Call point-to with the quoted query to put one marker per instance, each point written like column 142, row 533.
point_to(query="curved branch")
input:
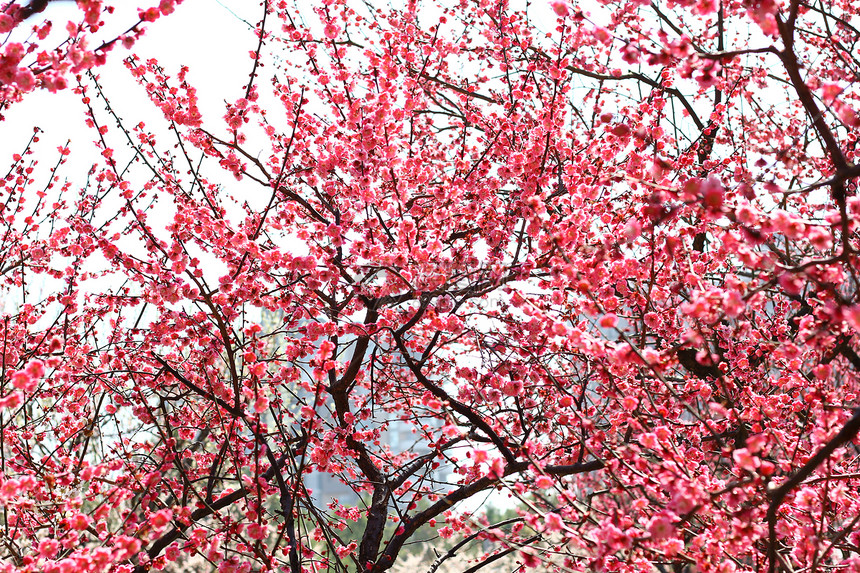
column 777, row 496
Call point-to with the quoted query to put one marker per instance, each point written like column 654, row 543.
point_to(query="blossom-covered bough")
column 26, row 64
column 600, row 259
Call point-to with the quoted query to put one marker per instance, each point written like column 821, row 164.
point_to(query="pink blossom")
column 80, row 521
column 444, row 304
column 560, row 7
column 497, row 468
column 662, row 525
column 602, row 35
column 48, row 548
column 649, row 440
column 25, row 79
column 149, row 15
column 530, row 560
column 712, row 194
column 7, row 23
column 745, row 460
column 23, row 381
column 261, row 404
column 161, row 517
column 553, row 522
column 257, row 531
column 331, row 31
column 673, row 546
column 544, row 482
column 11, row 400
column 35, row 368
column 705, row 7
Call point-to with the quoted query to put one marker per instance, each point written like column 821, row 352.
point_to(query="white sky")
column 205, row 35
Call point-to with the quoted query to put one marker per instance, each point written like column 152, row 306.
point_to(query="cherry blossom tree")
column 603, row 263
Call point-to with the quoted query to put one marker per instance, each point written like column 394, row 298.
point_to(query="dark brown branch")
column 183, row 380
column 473, row 417
column 411, row 524
column 777, row 496
column 262, row 34
column 162, row 542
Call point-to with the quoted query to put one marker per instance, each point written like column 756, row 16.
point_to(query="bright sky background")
column 207, row 35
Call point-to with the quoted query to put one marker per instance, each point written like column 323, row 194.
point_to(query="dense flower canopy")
column 600, row 261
